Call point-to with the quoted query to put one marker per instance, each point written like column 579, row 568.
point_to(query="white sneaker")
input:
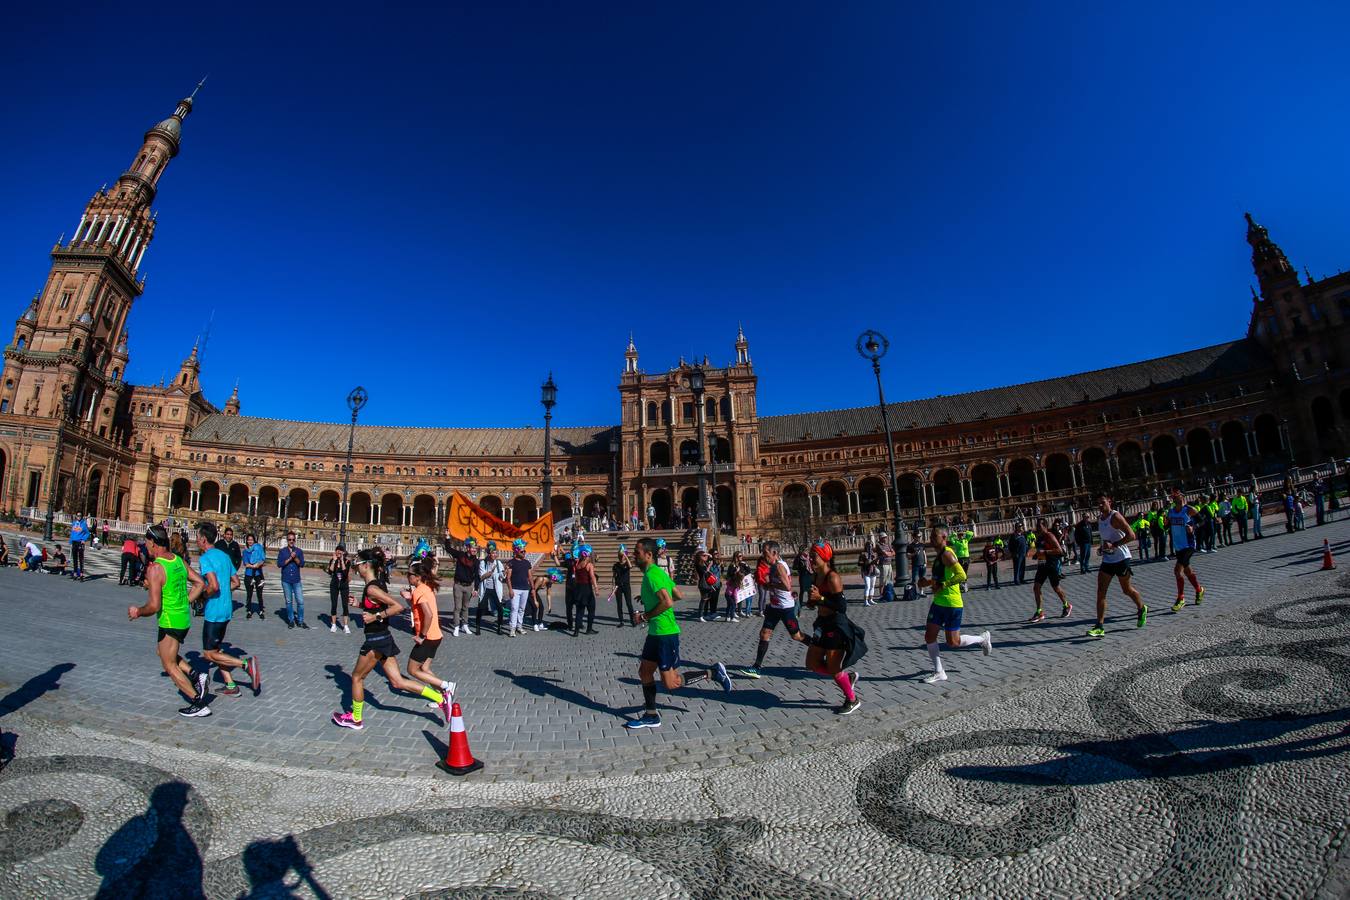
column 332, row 627
column 935, row 678
column 988, row 643
column 346, row 629
column 539, row 627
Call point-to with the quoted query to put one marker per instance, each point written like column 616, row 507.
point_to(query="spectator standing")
column 887, row 550
column 1082, row 539
column 1017, row 549
column 254, row 557
column 339, row 589
column 230, row 547
column 869, row 566
column 290, row 560
column 128, row 573
column 79, row 535
column 918, row 565
column 990, row 556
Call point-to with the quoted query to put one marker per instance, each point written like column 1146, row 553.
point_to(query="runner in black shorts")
column 1116, row 535
column 781, row 606
column 1179, row 518
column 379, row 649
column 421, row 595
column 1050, row 553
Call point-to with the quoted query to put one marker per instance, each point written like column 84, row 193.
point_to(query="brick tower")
column 64, row 371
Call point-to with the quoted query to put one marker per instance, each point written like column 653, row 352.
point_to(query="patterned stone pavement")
column 1201, row 756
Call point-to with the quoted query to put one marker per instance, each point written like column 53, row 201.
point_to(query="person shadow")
column 169, row 869
column 343, row 680
column 34, row 688
column 551, row 687
column 268, row 862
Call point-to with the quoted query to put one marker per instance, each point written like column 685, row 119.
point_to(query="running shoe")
column 346, row 629
column 1039, row 617
column 444, row 707
column 201, row 686
column 644, row 721
column 230, row 690
column 345, row 720
column 1199, row 596
column 255, row 674
column 1096, row 631
column 849, row 707
column 987, row 643
column 721, row 677
column 935, row 678
column 332, row 628
column 304, row 625
column 1181, row 602
column 1064, row 613
column 749, row 672
column 195, row 711
column 1143, row 616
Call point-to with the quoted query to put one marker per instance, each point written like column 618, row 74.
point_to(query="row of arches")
column 389, row 509
column 719, row 448
column 712, row 410
column 663, row 504
column 1164, row 454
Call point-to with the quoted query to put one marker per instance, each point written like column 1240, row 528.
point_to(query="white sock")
column 937, row 659
column 970, row 640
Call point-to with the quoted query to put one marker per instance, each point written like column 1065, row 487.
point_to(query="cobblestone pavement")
column 1201, row 756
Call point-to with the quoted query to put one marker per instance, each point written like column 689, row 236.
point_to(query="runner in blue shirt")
column 1180, row 521
column 217, row 570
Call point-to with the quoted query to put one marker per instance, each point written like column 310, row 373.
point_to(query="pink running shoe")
column 345, row 720
column 255, row 674
column 445, row 708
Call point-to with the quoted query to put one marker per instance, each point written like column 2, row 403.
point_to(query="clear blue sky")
column 445, row 205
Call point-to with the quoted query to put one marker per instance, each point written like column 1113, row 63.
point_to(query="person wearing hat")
column 623, row 584
column 583, row 577
column 491, row 587
column 518, row 578
column 465, row 585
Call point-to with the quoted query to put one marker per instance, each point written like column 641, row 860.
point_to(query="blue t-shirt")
column 254, row 557
column 79, row 532
column 220, row 607
column 1179, row 520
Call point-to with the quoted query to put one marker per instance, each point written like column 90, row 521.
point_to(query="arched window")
column 725, row 405
column 651, row 413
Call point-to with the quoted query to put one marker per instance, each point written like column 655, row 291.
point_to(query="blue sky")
column 445, row 204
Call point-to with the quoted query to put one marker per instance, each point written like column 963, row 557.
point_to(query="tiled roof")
column 266, row 434
column 1165, row 373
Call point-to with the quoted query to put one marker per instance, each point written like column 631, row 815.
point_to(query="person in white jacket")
column 491, row 587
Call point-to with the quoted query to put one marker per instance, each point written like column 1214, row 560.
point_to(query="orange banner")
column 468, row 519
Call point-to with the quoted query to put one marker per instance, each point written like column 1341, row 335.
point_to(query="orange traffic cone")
column 458, row 759
column 1327, row 561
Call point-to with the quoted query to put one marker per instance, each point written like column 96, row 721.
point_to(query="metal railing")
column 688, row 469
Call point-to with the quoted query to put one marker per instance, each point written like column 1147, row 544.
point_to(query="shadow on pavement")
column 34, row 688
column 1204, row 749
column 552, row 687
column 343, row 680
column 172, row 867
column 267, row 864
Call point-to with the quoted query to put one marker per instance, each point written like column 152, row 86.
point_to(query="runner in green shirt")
column 173, row 588
column 661, row 650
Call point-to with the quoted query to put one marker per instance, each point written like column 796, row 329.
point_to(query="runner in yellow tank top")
column 948, row 606
column 173, row 588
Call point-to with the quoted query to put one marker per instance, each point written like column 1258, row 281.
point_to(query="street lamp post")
column 549, row 398
column 57, row 452
column 355, row 400
column 697, row 383
column 872, row 345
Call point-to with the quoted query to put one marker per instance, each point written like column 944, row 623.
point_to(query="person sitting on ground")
column 57, row 563
column 32, row 556
column 4, row 553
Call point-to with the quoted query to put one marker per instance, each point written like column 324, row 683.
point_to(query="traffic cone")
column 458, row 759
column 1327, row 561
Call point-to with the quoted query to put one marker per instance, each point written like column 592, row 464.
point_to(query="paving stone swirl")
column 1326, row 611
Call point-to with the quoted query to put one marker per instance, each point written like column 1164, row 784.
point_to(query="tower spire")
column 630, row 357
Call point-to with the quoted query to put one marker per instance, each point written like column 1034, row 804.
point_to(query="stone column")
column 374, row 513
column 1150, row 465
column 194, row 500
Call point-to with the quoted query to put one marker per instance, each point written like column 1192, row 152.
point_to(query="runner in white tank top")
column 1116, row 534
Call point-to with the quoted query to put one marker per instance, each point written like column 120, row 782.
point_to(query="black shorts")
column 1049, row 571
column 1113, row 569
column 382, row 644
column 423, row 651
column 178, row 634
column 773, row 615
column 662, row 649
column 1184, row 556
column 213, row 634
column 965, row 562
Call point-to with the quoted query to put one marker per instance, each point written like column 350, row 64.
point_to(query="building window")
column 688, row 409
column 65, row 299
column 4, row 406
column 1316, row 314
column 754, row 502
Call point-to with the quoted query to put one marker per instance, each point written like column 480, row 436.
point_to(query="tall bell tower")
column 67, row 360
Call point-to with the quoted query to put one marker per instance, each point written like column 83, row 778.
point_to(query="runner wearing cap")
column 661, row 650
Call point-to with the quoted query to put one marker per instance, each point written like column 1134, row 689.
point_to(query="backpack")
column 887, row 593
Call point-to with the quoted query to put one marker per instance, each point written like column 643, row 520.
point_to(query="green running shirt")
column 173, row 608
column 654, row 580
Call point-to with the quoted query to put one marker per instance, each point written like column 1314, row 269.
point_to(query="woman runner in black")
column 836, row 643
column 379, row 648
